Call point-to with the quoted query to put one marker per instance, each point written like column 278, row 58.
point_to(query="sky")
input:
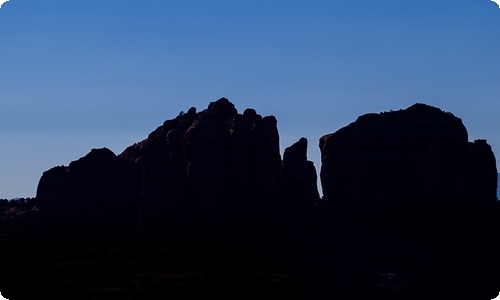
column 77, row 75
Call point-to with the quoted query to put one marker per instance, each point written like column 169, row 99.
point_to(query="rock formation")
column 98, row 177
column 97, row 190
column 300, row 174
column 409, row 189
column 407, row 155
column 405, row 193
column 212, row 162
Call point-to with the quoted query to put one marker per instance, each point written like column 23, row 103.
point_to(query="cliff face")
column 220, row 160
column 98, row 178
column 97, row 191
column 405, row 156
column 300, row 174
column 216, row 161
column 211, row 161
column 408, row 188
column 405, row 193
column 204, row 161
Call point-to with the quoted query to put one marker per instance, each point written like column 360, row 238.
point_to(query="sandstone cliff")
column 408, row 189
column 406, row 196
column 213, row 162
column 408, row 155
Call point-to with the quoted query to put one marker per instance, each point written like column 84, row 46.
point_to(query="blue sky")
column 76, row 75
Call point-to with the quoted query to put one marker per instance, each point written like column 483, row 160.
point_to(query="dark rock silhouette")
column 482, row 172
column 205, row 202
column 98, row 180
column 416, row 153
column 204, row 161
column 265, row 160
column 99, row 174
column 199, row 159
column 300, row 174
column 409, row 189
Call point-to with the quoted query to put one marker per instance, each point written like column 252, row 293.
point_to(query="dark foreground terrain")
column 207, row 206
column 243, row 263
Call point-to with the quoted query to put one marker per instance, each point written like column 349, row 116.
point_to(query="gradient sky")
column 77, row 75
